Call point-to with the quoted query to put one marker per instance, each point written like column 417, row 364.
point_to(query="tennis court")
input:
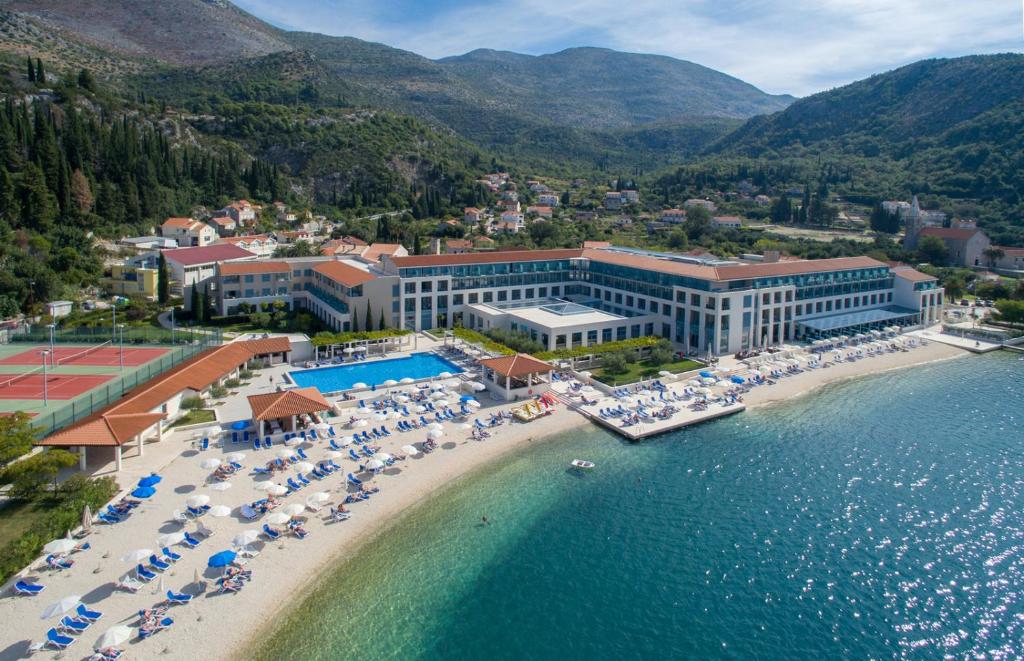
column 101, row 355
column 58, row 386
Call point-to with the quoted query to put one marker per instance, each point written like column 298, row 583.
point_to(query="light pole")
column 120, row 329
column 52, row 327
column 172, row 324
column 113, row 320
column 46, row 393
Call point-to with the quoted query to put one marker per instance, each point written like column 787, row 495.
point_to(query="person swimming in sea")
column 485, row 520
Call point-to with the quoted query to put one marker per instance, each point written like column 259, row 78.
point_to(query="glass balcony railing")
column 328, row 299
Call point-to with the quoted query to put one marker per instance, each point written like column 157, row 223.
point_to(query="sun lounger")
column 144, row 574
column 293, row 485
column 180, row 599
column 195, row 511
column 28, row 589
column 163, row 624
column 157, row 563
column 267, row 443
column 352, row 479
column 334, row 465
column 302, row 478
column 55, row 640
column 317, row 474
column 334, row 445
column 301, row 453
column 270, row 532
column 72, row 625
column 84, row 613
column 170, row 555
column 190, row 541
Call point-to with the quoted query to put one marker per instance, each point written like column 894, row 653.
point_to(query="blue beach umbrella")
column 736, row 379
column 143, row 492
column 707, row 374
column 222, row 559
column 466, row 398
column 241, row 424
column 150, row 481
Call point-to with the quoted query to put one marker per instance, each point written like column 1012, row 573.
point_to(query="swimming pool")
column 374, row 373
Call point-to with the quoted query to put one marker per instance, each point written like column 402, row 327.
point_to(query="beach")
column 225, row 626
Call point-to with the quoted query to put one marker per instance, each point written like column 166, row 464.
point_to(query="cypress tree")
column 382, row 325
column 31, row 70
column 194, row 304
column 355, row 321
column 369, row 316
column 163, row 283
column 40, row 75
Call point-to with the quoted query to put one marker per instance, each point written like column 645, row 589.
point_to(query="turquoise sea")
column 878, row 518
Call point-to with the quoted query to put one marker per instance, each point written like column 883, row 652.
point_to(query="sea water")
column 878, row 518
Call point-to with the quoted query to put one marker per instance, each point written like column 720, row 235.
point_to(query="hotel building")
column 580, row 297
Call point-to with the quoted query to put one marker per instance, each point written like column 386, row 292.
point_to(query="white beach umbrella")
column 138, row 555
column 62, row 607
column 435, row 425
column 359, row 386
column 473, row 404
column 420, row 409
column 345, row 440
column 198, row 500
column 294, row 509
column 334, row 454
column 236, row 457
column 318, row 498
column 219, row 511
column 361, row 423
column 277, row 490
column 384, row 456
column 278, row 518
column 437, row 394
column 285, row 453
column 293, row 441
column 118, row 634
column 209, row 463
column 221, row 486
column 245, row 537
column 435, row 433
column 410, row 449
column 406, row 380
column 170, row 539
column 62, row 545
column 445, row 375
column 347, row 350
column 390, row 383
column 477, row 386
column 263, row 486
column 304, row 467
column 402, row 399
column 380, row 417
column 443, row 403
column 374, row 464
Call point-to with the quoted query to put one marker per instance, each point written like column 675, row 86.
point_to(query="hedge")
column 326, row 338
column 597, row 349
column 484, row 341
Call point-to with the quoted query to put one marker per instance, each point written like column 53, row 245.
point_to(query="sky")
column 781, row 46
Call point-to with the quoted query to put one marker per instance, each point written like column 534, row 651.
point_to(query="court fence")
column 131, row 335
column 58, row 417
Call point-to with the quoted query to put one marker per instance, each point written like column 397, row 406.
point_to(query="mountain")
column 951, row 130
column 602, row 88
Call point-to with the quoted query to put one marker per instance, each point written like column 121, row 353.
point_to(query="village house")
column 541, row 211
column 695, row 202
column 674, row 216
column 242, row 212
column 472, row 215
column 762, row 200
column 261, row 245
column 188, row 232
column 514, row 217
column 224, row 225
column 548, row 199
column 290, row 237
column 458, row 246
column 613, row 200
column 732, row 222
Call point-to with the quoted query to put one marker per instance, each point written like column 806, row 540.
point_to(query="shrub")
column 245, row 374
column 468, row 335
column 615, row 362
column 598, row 349
column 218, row 391
column 192, row 403
column 232, row 383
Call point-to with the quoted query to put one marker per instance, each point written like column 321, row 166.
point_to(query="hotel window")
column 542, row 292
column 410, row 305
column 725, row 304
column 641, row 304
column 555, row 291
column 248, row 279
column 618, row 299
column 607, row 295
column 474, row 298
column 248, row 293
column 266, row 277
column 308, row 273
column 394, row 306
column 828, row 306
column 395, row 291
column 789, row 296
column 426, row 287
column 457, row 299
column 620, row 333
column 410, row 288
column 266, row 291
column 874, row 299
column 710, row 303
column 817, row 306
column 577, row 339
column 426, row 303
column 296, row 273
column 649, row 329
column 517, row 294
column 888, row 297
column 680, row 297
column 629, row 301
column 766, row 298
column 606, row 334
column 502, row 295
column 560, row 341
column 695, row 300
column 591, row 337
column 778, row 297
column 488, row 297
column 529, row 293
column 635, row 330
column 666, row 309
column 442, row 285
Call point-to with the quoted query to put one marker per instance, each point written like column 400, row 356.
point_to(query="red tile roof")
column 244, row 268
column 218, row 252
column 344, row 274
column 597, row 245
column 183, row 223
column 375, row 250
column 274, row 405
column 107, row 430
column 518, row 365
column 486, row 258
column 913, row 275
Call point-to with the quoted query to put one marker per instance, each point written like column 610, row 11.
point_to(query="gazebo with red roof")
column 286, row 405
column 515, row 376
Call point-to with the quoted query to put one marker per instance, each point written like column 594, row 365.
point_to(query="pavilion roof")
column 286, row 403
column 517, row 365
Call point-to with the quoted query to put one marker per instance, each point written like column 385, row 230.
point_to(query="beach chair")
column 170, row 555
column 366, row 451
column 84, row 613
column 107, row 518
column 179, row 599
column 28, row 589
column 293, row 459
column 301, row 453
column 333, row 465
column 302, row 478
column 424, row 421
column 144, row 574
column 55, row 640
column 384, row 431
column 245, row 436
column 478, row 424
column 163, row 624
column 330, row 432
column 71, row 625
column 270, row 532
column 267, row 443
column 190, row 541
column 317, row 474
column 352, row 479
column 195, row 511
column 366, row 437
column 293, row 485
column 255, row 444
column 157, row 563
column 334, row 445
column 352, row 454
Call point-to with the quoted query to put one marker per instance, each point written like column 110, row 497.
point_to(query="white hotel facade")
column 580, row 297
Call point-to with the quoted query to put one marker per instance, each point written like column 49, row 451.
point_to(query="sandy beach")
column 225, row 626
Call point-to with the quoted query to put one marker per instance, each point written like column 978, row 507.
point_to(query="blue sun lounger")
column 293, row 485
column 170, row 555
column 178, row 598
column 352, row 455
column 269, row 532
column 191, row 541
column 28, row 589
column 302, row 478
column 57, row 641
column 301, row 453
column 144, row 573
column 335, row 445
column 157, row 563
column 164, row 623
column 72, row 625
column 84, row 613
column 352, row 479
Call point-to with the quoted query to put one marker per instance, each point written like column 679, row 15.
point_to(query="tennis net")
column 6, row 383
column 82, row 354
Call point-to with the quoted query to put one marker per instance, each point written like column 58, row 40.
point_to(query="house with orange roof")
column 472, row 215
column 188, row 232
column 242, row 212
column 224, row 225
column 261, row 245
column 540, row 211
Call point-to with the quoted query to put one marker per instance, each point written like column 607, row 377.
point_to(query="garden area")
column 625, row 366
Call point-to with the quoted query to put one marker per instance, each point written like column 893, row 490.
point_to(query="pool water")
column 343, row 377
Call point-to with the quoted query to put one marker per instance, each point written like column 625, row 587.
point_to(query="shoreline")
column 285, row 572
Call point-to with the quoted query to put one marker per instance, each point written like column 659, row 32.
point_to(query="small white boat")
column 580, row 463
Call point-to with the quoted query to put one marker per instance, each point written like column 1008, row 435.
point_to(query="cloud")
column 795, row 46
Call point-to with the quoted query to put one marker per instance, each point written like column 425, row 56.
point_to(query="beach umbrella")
column 375, row 464
column 240, row 425
column 236, row 457
column 706, row 373
column 137, row 555
column 384, row 456
column 389, row 383
column 345, row 440
column 420, row 409
column 264, row 486
column 221, row 486
column 62, row 607
column 361, row 423
column 294, row 509
column 118, row 634
column 285, row 453
column 435, row 425
column 278, row 518
column 62, row 545
column 402, row 399
column 359, row 386
column 318, row 498
column 293, row 441
column 736, row 379
column 473, row 404
column 334, row 454
column 150, row 480
column 277, row 490
column 170, row 539
column 198, row 500
column 477, row 386
column 443, row 403
column 435, row 433
column 219, row 511
column 86, row 519
column 665, row 373
column 245, row 537
column 222, row 559
column 445, row 375
column 304, row 467
column 143, row 492
column 410, row 449
column 437, row 394
column 406, row 381
column 466, row 398
column 709, row 380
column 348, row 350
column 380, row 417
column 210, row 463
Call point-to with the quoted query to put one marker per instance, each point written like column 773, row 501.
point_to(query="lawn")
column 642, row 370
column 195, row 417
column 16, row 518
